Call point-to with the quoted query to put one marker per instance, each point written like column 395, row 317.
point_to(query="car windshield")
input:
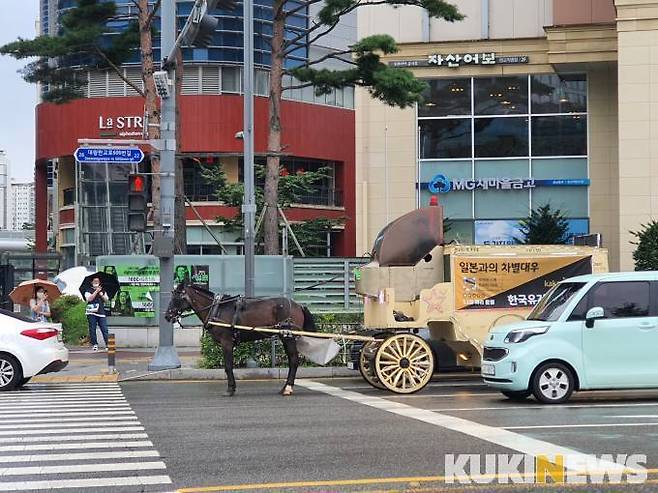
column 555, row 301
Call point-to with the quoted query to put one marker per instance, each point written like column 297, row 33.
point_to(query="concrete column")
column 637, row 28
column 41, row 205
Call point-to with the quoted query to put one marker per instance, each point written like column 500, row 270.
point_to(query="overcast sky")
column 17, row 97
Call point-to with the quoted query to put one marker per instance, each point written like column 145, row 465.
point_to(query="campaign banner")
column 511, row 282
column 199, row 275
column 136, row 283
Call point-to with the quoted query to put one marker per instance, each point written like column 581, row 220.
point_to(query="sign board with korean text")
column 486, row 282
column 109, row 155
column 442, row 184
column 455, row 60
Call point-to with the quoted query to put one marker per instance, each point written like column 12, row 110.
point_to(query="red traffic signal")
column 136, row 183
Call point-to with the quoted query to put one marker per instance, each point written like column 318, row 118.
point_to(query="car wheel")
column 24, row 381
column 519, row 395
column 553, row 383
column 10, row 372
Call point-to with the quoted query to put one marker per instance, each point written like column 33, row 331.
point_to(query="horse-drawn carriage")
column 413, row 282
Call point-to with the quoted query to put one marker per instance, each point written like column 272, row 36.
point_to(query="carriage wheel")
column 366, row 364
column 404, row 363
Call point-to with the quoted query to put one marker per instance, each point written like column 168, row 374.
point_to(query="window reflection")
column 501, row 96
column 559, row 135
column 446, row 97
column 559, row 93
column 501, row 137
column 450, row 138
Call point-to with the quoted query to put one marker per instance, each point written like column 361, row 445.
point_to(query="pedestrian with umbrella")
column 97, row 290
column 37, row 294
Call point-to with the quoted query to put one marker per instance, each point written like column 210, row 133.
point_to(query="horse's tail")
column 309, row 321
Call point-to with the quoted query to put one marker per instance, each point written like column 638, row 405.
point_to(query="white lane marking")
column 127, row 415
column 85, row 390
column 583, row 425
column 72, row 438
column 429, row 387
column 74, row 446
column 77, row 468
column 90, row 429
column 542, row 406
column 125, row 454
column 499, row 436
column 81, row 412
column 84, row 483
column 456, row 395
column 124, row 421
column 64, row 398
column 643, row 416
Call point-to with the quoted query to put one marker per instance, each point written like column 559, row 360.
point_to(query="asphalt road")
column 341, row 435
column 332, row 436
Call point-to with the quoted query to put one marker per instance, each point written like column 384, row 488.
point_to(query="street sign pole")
column 166, row 357
column 249, row 204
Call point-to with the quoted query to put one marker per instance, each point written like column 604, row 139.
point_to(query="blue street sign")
column 109, row 155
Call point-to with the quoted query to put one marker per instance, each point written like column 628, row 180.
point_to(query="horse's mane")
column 201, row 289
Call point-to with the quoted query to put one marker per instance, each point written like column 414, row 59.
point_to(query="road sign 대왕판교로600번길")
column 109, row 155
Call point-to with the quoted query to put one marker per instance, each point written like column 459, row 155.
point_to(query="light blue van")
column 589, row 332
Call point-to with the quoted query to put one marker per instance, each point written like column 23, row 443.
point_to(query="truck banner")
column 137, row 283
column 511, row 282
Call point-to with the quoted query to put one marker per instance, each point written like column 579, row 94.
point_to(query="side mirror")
column 592, row 314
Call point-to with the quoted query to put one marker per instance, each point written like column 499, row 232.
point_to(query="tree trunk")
column 180, row 223
column 151, row 106
column 271, row 221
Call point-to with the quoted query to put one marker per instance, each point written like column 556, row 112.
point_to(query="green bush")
column 70, row 312
column 646, row 253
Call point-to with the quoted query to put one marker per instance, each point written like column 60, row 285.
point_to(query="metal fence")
column 327, row 284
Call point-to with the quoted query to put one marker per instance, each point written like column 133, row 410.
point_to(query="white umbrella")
column 69, row 281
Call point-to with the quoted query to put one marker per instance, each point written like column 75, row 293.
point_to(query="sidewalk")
column 86, row 365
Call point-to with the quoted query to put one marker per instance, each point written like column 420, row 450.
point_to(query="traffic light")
column 137, row 206
column 201, row 25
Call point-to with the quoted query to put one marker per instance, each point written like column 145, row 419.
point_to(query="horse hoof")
column 229, row 393
column 286, row 391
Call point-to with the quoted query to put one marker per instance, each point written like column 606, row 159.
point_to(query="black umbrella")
column 109, row 282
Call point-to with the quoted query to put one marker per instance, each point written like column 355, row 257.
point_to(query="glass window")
column 501, row 137
column 621, row 299
column 445, row 138
column 456, row 205
column 446, row 97
column 572, row 201
column 230, row 79
column 559, row 135
column 550, row 169
column 349, row 96
column 555, row 301
column 461, row 231
column 501, row 204
column 505, row 168
column 559, row 93
column 262, row 83
column 501, row 95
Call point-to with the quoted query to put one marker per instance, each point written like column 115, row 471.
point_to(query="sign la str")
column 120, row 122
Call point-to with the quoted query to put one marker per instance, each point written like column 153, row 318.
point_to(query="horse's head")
column 180, row 303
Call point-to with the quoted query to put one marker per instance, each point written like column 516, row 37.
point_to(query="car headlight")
column 521, row 335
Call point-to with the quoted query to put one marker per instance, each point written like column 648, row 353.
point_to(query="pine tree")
column 646, row 253
column 544, row 226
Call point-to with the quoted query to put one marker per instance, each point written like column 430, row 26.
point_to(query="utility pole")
column 249, row 202
column 163, row 243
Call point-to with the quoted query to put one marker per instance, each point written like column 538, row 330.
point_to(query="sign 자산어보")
column 511, row 282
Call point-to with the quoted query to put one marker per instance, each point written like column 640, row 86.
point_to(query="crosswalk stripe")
column 125, row 420
column 75, row 445
column 85, row 483
column 73, row 412
column 73, row 397
column 77, row 468
column 49, row 393
column 90, row 429
column 126, row 415
column 72, row 438
column 64, row 406
column 79, row 456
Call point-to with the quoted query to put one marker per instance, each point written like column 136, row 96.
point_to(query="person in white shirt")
column 96, row 298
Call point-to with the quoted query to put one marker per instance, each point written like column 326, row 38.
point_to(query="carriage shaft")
column 272, row 330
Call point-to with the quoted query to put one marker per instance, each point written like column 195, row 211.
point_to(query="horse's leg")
column 227, row 348
column 290, row 347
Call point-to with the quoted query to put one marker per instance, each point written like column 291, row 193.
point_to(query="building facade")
column 529, row 102
column 21, row 206
column 90, row 201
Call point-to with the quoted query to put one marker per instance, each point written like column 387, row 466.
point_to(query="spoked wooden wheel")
column 367, row 364
column 404, row 363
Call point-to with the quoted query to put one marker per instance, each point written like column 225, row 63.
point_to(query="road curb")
column 240, row 374
column 75, row 379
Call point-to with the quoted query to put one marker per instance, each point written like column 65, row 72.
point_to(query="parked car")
column 28, row 348
column 588, row 332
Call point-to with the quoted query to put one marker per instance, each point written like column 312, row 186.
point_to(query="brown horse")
column 235, row 310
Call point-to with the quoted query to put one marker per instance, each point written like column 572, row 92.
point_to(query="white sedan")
column 28, row 348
